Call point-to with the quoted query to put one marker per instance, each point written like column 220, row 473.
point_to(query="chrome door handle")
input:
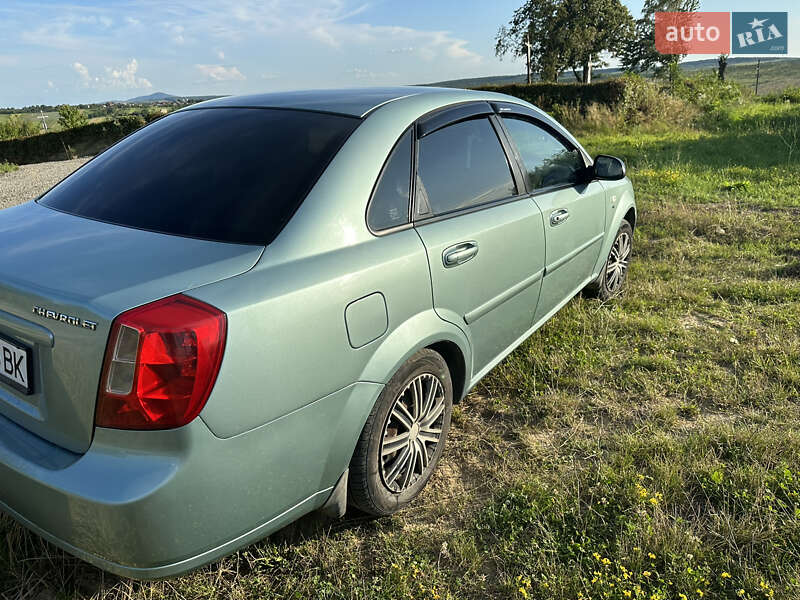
column 459, row 254
column 557, row 217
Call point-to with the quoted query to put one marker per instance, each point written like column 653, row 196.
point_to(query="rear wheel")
column 614, row 275
column 404, row 436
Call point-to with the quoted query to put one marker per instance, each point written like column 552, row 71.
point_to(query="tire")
column 379, row 483
column 614, row 275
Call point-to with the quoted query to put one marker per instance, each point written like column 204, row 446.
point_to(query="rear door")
column 485, row 241
column 573, row 208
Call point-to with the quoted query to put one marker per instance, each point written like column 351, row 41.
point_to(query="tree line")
column 557, row 36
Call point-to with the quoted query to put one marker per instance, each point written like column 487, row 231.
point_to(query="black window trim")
column 516, row 173
column 409, row 223
column 452, row 114
column 541, row 124
column 526, row 113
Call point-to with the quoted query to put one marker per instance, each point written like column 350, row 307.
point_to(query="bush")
column 645, row 101
column 707, row 91
column 789, row 95
column 16, row 127
column 70, row 117
column 548, row 96
column 60, row 145
column 7, row 167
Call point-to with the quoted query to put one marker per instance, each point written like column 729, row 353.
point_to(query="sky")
column 57, row 52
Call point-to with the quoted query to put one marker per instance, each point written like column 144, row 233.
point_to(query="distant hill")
column 775, row 74
column 163, row 97
column 154, row 97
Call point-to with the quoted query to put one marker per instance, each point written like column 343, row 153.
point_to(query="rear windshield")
column 225, row 174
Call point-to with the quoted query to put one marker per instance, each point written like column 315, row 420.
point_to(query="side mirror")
column 609, row 167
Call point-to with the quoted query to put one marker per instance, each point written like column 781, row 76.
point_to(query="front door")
column 573, row 209
column 485, row 242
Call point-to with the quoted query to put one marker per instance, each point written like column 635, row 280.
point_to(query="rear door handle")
column 459, row 254
column 558, row 216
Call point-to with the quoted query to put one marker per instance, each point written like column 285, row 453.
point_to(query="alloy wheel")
column 412, row 432
column 618, row 259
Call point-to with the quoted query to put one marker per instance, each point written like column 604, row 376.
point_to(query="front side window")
column 389, row 205
column 224, row 174
column 548, row 161
column 461, row 166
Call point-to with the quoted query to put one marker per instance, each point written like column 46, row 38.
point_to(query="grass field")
column 52, row 118
column 648, row 447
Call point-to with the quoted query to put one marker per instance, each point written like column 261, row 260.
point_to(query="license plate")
column 15, row 365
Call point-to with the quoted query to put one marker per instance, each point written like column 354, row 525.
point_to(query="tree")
column 70, row 116
column 528, row 31
column 592, row 28
column 722, row 61
column 565, row 34
column 639, row 54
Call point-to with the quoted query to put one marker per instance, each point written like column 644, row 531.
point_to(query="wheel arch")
column 457, row 365
column 630, row 217
column 423, row 330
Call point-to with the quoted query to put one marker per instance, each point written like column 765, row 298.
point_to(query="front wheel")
column 614, row 275
column 404, row 436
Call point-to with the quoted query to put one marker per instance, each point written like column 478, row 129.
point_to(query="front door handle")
column 459, row 254
column 557, row 217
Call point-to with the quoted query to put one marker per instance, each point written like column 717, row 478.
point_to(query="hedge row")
column 546, row 95
column 70, row 143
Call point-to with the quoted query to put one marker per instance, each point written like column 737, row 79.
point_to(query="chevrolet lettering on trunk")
column 61, row 317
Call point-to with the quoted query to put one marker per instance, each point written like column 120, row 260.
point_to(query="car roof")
column 356, row 102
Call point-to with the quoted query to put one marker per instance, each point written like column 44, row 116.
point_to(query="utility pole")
column 43, row 118
column 528, row 62
column 758, row 69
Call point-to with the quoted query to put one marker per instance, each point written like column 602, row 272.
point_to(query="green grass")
column 648, row 447
column 7, row 167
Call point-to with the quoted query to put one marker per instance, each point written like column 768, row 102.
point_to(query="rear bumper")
column 156, row 504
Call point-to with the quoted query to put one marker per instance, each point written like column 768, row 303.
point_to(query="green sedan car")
column 261, row 306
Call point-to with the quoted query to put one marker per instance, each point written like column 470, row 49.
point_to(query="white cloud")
column 175, row 33
column 372, row 76
column 321, row 34
column 220, row 55
column 132, row 22
column 220, row 73
column 82, row 72
column 50, row 84
column 124, row 77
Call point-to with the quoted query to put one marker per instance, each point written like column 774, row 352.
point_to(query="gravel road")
column 31, row 180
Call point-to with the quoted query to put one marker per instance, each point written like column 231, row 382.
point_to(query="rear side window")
column 463, row 165
column 389, row 205
column 548, row 161
column 225, row 174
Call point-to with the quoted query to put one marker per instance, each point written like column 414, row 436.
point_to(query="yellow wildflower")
column 647, row 573
column 699, row 592
column 725, row 575
column 651, row 555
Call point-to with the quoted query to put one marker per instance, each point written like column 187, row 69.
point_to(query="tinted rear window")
column 226, row 174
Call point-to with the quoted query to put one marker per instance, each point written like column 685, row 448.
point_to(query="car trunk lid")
column 63, row 280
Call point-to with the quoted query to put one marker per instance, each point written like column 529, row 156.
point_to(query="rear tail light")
column 161, row 363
